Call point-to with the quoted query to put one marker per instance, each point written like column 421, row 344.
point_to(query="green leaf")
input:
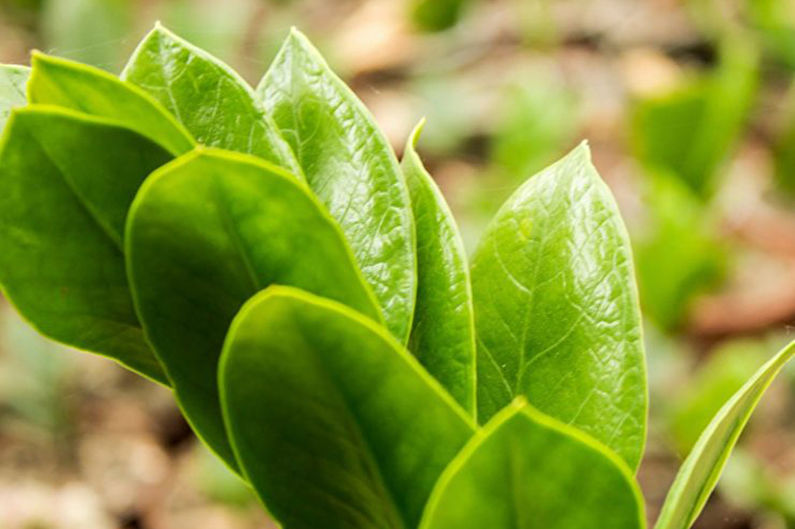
column 207, row 96
column 75, row 86
column 333, row 422
column 443, row 331
column 351, row 168
column 700, row 472
column 61, row 226
column 556, row 308
column 12, row 89
column 527, row 470
column 204, row 234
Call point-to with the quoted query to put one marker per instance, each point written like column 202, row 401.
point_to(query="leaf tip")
column 414, row 137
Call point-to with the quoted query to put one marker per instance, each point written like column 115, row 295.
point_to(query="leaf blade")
column 521, row 471
column 556, row 308
column 351, row 168
column 443, row 331
column 61, row 225
column 200, row 243
column 213, row 102
column 382, row 470
column 699, row 473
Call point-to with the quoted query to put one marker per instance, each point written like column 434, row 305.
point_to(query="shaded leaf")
column 351, row 168
column 556, row 308
column 527, row 470
column 443, row 333
column 333, row 422
column 204, row 234
column 75, row 86
column 700, row 472
column 213, row 102
column 61, row 226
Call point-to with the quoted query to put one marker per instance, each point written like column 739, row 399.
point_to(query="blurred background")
column 689, row 107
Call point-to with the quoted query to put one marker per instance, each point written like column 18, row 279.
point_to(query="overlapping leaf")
column 61, row 226
column 333, row 422
column 443, row 333
column 351, row 168
column 92, row 91
column 204, row 234
column 213, row 102
column 556, row 308
column 525, row 470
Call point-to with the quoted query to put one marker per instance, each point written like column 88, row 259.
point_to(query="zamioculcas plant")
column 309, row 302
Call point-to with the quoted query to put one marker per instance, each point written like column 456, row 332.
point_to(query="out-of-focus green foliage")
column 690, row 131
column 90, row 31
column 678, row 255
column 436, row 15
column 784, row 149
column 774, row 21
column 717, row 379
column 535, row 120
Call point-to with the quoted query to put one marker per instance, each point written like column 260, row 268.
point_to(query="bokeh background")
column 689, row 107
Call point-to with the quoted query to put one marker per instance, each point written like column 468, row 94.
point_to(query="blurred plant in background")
column 690, row 109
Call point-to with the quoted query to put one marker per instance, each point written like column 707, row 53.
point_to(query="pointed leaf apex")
column 414, row 137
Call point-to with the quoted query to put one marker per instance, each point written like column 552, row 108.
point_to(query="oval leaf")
column 61, row 224
column 89, row 90
column 333, row 422
column 527, row 470
column 351, row 168
column 12, row 89
column 700, row 472
column 204, row 234
column 215, row 104
column 556, row 308
column 443, row 333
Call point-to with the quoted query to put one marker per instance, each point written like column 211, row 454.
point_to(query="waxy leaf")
column 61, row 224
column 443, row 334
column 89, row 90
column 700, row 472
column 556, row 308
column 351, row 168
column 204, row 234
column 12, row 89
column 333, row 422
column 525, row 470
column 213, row 102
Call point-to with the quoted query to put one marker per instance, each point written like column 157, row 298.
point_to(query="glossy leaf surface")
column 556, row 308
column 333, row 422
column 12, row 89
column 207, row 232
column 700, row 472
column 89, row 90
column 351, row 168
column 443, row 333
column 61, row 226
column 213, row 102
column 525, row 470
